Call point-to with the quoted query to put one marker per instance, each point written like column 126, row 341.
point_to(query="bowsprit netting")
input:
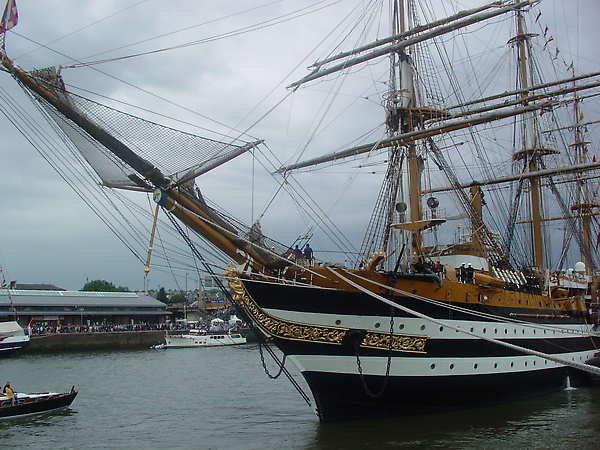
column 178, row 155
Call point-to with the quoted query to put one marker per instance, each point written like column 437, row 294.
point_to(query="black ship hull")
column 344, row 352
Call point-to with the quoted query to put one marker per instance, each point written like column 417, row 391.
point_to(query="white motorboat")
column 12, row 338
column 200, row 338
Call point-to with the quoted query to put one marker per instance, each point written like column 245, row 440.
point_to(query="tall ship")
column 476, row 282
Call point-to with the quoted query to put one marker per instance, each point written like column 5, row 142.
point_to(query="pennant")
column 545, row 31
column 10, row 16
column 598, row 241
column 538, row 16
column 29, row 329
column 581, row 116
column 557, row 52
column 547, row 42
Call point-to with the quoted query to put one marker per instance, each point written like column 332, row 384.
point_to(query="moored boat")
column 35, row 403
column 12, row 338
column 200, row 338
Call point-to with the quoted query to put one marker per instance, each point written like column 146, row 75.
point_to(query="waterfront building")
column 59, row 307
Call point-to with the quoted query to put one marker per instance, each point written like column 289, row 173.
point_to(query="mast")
column 531, row 151
column 586, row 206
column 401, row 119
column 392, row 102
column 406, row 126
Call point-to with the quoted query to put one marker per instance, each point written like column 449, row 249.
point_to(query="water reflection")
column 569, row 419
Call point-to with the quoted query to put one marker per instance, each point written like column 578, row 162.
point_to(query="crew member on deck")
column 470, row 272
column 308, row 252
column 297, row 253
column 462, row 273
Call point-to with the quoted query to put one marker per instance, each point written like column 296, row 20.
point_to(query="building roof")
column 77, row 298
column 38, row 287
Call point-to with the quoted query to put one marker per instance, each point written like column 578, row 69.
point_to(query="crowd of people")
column 107, row 328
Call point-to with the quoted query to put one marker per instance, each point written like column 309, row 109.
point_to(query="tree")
column 177, row 298
column 103, row 286
column 161, row 296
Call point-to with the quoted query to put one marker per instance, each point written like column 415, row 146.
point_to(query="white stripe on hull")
column 422, row 327
column 430, row 367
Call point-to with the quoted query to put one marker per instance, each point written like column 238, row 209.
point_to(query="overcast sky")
column 49, row 235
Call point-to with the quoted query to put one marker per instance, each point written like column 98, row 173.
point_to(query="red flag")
column 10, row 16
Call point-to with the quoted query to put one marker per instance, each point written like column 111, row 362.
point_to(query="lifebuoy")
column 553, row 278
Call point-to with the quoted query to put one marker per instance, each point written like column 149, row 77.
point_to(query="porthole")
column 451, row 366
column 472, row 329
column 495, row 365
column 475, row 366
column 338, row 322
column 422, row 327
column 377, row 325
column 512, row 364
column 441, row 328
column 401, row 327
column 525, row 363
column 495, row 330
column 484, row 330
column 432, row 366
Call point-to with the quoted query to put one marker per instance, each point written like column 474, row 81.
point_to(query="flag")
column 547, row 42
column 29, row 328
column 598, row 241
column 10, row 16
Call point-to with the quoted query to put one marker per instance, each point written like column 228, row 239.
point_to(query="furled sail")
column 178, row 155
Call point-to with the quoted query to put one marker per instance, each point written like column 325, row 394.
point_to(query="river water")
column 220, row 398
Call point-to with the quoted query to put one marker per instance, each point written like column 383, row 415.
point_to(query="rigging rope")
column 227, row 293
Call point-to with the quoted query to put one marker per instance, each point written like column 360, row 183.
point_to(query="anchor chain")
column 389, row 363
column 264, row 364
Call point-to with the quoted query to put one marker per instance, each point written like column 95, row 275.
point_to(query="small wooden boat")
column 39, row 402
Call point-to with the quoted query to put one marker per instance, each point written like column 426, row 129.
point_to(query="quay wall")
column 111, row 340
column 94, row 341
